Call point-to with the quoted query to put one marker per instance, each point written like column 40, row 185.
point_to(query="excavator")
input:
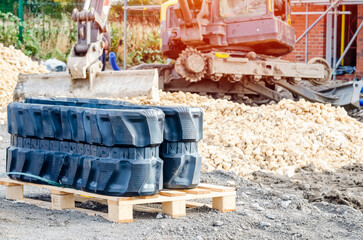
column 217, row 47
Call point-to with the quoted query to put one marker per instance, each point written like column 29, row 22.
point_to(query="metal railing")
column 331, row 9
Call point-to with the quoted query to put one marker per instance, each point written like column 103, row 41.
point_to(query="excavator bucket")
column 107, row 84
column 347, row 95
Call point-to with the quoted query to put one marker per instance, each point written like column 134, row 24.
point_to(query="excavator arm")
column 85, row 78
column 191, row 23
column 92, row 39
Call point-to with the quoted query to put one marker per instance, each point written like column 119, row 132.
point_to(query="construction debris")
column 13, row 62
column 279, row 138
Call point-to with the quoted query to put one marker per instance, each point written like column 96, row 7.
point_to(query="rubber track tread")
column 136, row 175
column 109, row 127
column 181, row 123
column 183, row 129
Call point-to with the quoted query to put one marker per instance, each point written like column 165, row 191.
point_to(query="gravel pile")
column 13, row 62
column 278, row 138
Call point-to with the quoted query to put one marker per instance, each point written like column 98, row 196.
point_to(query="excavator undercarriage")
column 258, row 81
column 235, row 47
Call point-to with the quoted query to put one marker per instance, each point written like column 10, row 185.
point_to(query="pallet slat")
column 216, row 188
column 197, row 191
column 120, row 209
column 67, row 190
column 171, row 193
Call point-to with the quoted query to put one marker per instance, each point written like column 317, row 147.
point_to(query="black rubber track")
column 183, row 129
column 109, row 127
column 181, row 123
column 182, row 164
column 98, row 169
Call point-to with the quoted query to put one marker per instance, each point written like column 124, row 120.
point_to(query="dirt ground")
column 310, row 205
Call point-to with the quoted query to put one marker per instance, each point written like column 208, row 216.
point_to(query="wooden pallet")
column 120, row 209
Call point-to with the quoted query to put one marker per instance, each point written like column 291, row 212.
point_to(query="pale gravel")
column 279, row 138
column 12, row 63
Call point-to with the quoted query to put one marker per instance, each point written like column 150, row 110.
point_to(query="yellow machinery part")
column 270, row 5
column 163, row 9
column 342, row 38
column 221, row 55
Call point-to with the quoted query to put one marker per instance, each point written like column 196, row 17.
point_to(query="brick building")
column 360, row 44
column 318, row 38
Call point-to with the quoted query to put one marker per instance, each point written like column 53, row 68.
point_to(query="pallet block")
column 119, row 213
column 15, row 192
column 120, row 209
column 174, row 208
column 62, row 201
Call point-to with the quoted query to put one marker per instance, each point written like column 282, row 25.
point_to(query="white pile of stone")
column 277, row 138
column 13, row 62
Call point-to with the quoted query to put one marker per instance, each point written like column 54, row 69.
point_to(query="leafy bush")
column 9, row 34
column 45, row 37
column 143, row 43
column 9, row 31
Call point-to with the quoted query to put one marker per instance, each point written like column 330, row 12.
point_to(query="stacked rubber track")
column 179, row 150
column 113, row 152
column 105, row 146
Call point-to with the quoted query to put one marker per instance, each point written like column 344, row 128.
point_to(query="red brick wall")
column 317, row 41
column 359, row 72
column 316, row 35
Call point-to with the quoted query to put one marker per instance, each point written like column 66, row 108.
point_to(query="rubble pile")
column 13, row 62
column 279, row 138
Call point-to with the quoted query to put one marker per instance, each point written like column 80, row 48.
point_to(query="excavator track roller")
column 191, row 65
column 327, row 71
